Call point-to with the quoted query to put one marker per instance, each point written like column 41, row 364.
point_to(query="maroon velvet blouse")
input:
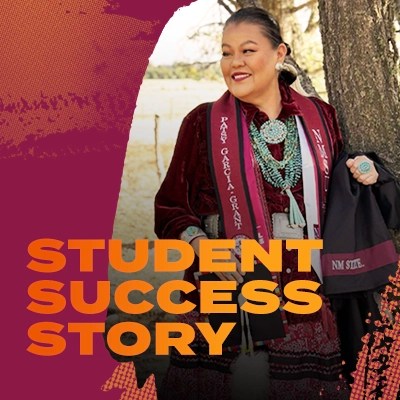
column 187, row 192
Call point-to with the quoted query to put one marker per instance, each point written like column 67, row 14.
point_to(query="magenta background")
column 65, row 116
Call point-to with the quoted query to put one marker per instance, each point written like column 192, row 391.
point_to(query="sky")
column 174, row 44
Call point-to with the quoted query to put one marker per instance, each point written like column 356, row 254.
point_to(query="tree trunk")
column 361, row 66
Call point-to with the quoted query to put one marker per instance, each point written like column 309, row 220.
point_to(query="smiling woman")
column 248, row 66
column 249, row 166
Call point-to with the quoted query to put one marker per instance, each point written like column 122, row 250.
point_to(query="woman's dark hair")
column 269, row 27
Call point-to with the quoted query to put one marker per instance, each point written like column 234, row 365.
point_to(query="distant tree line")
column 196, row 71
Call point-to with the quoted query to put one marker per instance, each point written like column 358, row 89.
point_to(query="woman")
column 245, row 167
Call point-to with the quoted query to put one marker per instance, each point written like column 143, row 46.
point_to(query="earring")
column 279, row 66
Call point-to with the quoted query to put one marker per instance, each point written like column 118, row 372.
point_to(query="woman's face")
column 248, row 62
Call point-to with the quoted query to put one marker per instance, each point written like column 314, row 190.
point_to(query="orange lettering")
column 251, row 249
column 99, row 305
column 214, row 254
column 45, row 250
column 164, row 297
column 161, row 250
column 215, row 339
column 122, row 301
column 255, row 291
column 45, row 333
column 313, row 302
column 141, row 332
column 86, row 331
column 304, row 248
column 86, row 248
column 137, row 264
column 181, row 343
column 212, row 291
column 47, row 292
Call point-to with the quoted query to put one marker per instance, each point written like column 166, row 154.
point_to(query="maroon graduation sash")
column 235, row 176
column 238, row 189
column 232, row 166
column 320, row 144
column 241, row 211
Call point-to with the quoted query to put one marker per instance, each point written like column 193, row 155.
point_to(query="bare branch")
column 312, row 22
column 227, row 8
column 205, row 65
column 312, row 26
column 203, row 28
column 309, row 3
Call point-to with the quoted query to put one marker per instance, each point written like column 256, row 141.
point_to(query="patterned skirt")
column 305, row 365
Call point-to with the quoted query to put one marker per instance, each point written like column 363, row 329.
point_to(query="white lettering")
column 237, row 218
column 222, row 129
column 354, row 264
column 341, row 265
column 324, row 156
column 317, row 134
column 337, row 265
column 322, row 150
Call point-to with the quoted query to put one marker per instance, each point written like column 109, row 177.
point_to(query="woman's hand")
column 363, row 169
column 232, row 276
column 224, row 276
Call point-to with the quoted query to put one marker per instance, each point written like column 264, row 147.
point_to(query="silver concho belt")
column 211, row 226
column 280, row 223
column 282, row 229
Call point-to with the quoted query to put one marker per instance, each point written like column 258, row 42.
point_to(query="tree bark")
column 361, row 66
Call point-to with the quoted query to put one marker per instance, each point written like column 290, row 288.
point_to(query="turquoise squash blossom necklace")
column 283, row 174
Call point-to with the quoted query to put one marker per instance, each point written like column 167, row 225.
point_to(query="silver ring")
column 364, row 167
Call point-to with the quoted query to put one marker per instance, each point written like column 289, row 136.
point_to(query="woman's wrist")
column 191, row 233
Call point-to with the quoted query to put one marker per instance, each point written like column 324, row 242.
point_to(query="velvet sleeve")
column 173, row 211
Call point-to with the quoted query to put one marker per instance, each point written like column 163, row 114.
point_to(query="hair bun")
column 288, row 73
